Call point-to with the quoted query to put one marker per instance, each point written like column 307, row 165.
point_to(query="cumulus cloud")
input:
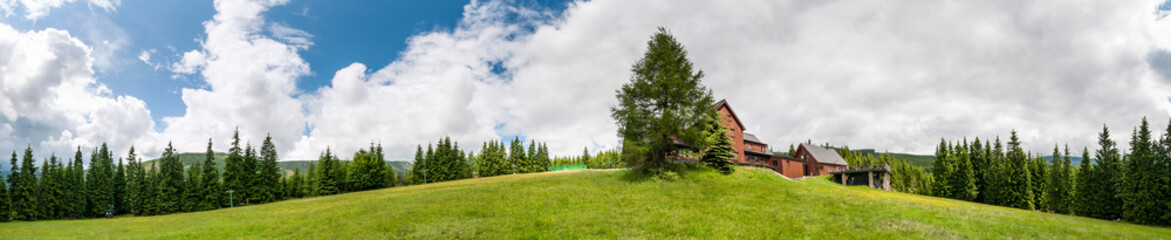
column 251, row 80
column 35, row 9
column 50, row 101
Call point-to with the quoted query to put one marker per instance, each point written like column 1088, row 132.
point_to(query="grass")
column 749, row 204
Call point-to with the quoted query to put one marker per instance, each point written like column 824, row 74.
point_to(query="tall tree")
column 662, row 106
column 24, row 199
column 1082, row 190
column 135, row 178
column 516, row 156
column 5, row 207
column 1053, row 196
column 171, row 183
column 211, row 181
column 963, row 183
column 77, row 191
column 942, row 170
column 119, row 182
column 1106, row 179
column 1020, row 186
column 236, row 176
column 250, row 179
column 99, row 181
column 419, row 165
column 269, row 172
column 327, row 180
column 1140, row 198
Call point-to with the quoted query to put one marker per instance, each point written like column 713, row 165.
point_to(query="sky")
column 889, row 75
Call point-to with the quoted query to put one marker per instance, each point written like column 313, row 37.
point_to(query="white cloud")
column 35, row 9
column 296, row 37
column 251, row 81
column 890, row 75
column 50, row 101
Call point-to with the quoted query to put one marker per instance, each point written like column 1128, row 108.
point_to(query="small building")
column 873, row 176
column 819, row 161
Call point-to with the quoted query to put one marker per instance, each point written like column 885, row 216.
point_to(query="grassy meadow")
column 749, row 204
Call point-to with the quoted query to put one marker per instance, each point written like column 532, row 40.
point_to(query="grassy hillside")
column 751, row 203
column 287, row 166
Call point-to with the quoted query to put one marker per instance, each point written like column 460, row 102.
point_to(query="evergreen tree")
column 1065, row 181
column 1082, row 191
column 661, row 105
column 251, row 179
column 24, row 199
column 1019, row 187
column 170, row 191
column 99, row 182
column 192, row 196
column 1105, row 180
column 979, row 164
column 211, row 181
column 963, row 185
column 270, row 174
column 1161, row 180
column 1053, row 199
column 5, row 209
column 327, row 180
column 942, row 170
column 418, row 166
column 1140, row 198
column 516, row 156
column 1037, row 173
column 120, row 188
column 77, row 190
column 720, row 154
column 135, row 178
column 235, row 174
column 52, row 190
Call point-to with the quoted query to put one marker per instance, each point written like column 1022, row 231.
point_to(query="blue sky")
column 369, row 32
column 891, row 75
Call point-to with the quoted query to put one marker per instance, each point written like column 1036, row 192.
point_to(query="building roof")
column 724, row 104
column 824, row 156
column 752, row 138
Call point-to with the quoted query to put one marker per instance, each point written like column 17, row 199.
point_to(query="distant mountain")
column 286, row 166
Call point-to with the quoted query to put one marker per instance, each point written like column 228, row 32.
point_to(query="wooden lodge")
column 808, row 160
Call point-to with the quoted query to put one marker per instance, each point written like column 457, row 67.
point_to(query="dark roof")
column 824, row 156
column 724, row 103
column 752, row 138
column 758, row 153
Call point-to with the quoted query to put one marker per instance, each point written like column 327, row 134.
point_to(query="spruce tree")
column 1105, row 180
column 963, row 185
column 99, row 182
column 720, row 154
column 1052, row 198
column 120, row 188
column 171, row 183
column 979, row 163
column 1083, row 190
column 942, row 170
column 24, row 199
column 134, row 182
column 235, row 175
column 251, row 179
column 77, row 190
column 1019, row 186
column 327, row 180
column 269, row 171
column 211, row 181
column 192, row 196
column 1140, row 198
column 418, row 166
column 5, row 208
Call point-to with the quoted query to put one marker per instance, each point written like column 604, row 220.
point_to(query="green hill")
column 286, row 166
column 751, row 203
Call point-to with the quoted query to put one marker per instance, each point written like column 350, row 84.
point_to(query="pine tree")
column 51, row 190
column 5, row 209
column 192, row 195
column 250, row 178
column 1052, row 198
column 327, row 179
column 77, row 190
column 942, row 170
column 1106, row 178
column 419, row 165
column 120, row 188
column 1161, row 180
column 516, row 156
column 171, row 183
column 24, row 199
column 979, row 163
column 1082, row 191
column 211, row 181
column 1066, row 184
column 134, row 183
column 235, row 173
column 720, row 154
column 269, row 172
column 1019, row 185
column 99, row 182
column 1037, row 173
column 1140, row 192
column 963, row 185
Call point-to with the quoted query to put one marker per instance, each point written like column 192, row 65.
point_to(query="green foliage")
column 517, row 157
column 369, row 169
column 1019, row 188
column 268, row 174
column 720, row 153
column 662, row 106
column 5, row 207
column 99, row 182
column 236, row 176
column 1142, row 195
column 328, row 182
column 210, row 181
column 171, row 184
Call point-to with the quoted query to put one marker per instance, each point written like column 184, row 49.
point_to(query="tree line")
column 1132, row 186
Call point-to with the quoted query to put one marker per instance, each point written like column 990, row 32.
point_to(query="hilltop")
column 751, row 203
